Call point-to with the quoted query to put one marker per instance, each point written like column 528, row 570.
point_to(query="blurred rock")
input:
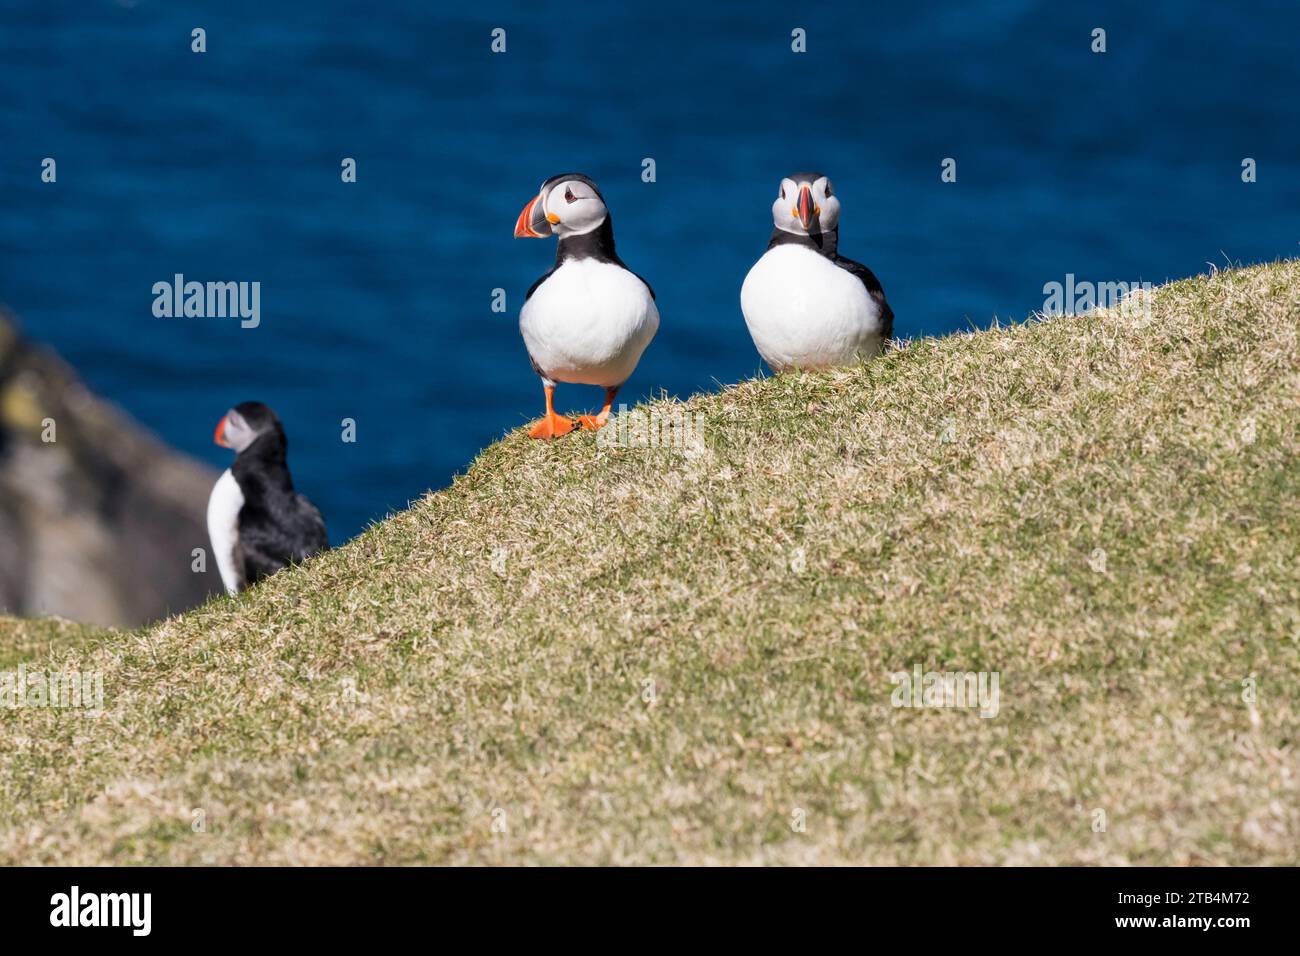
column 98, row 525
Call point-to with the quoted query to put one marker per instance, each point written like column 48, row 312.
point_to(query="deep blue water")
column 376, row 296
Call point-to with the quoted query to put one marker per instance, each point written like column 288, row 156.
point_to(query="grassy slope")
column 35, row 640
column 941, row 506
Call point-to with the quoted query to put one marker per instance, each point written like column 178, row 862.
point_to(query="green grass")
column 23, row 640
column 1102, row 509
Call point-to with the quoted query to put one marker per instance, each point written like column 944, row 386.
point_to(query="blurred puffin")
column 807, row 306
column 587, row 320
column 257, row 522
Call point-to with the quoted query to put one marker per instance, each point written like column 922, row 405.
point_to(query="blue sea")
column 376, row 296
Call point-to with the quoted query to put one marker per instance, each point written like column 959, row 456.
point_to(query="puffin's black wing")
column 313, row 538
column 874, row 289
column 240, row 565
column 263, row 548
column 279, row 533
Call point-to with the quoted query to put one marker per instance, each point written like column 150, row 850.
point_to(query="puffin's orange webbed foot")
column 593, row 422
column 551, row 425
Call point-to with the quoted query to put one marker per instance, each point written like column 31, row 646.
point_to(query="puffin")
column 257, row 523
column 588, row 319
column 806, row 306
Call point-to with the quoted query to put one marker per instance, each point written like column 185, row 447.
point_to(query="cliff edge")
column 98, row 519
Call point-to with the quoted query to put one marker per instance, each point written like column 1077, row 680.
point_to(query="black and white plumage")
column 805, row 305
column 589, row 318
column 257, row 522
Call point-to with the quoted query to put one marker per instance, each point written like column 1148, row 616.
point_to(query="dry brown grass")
column 947, row 505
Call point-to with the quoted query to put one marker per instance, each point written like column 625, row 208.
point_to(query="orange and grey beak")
column 219, row 436
column 532, row 222
column 805, row 209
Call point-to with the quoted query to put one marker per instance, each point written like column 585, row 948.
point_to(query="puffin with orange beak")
column 806, row 305
column 589, row 318
column 257, row 523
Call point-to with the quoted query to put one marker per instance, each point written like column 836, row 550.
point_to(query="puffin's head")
column 567, row 205
column 805, row 205
column 244, row 424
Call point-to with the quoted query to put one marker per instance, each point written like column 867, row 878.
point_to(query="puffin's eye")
column 827, row 191
column 568, row 195
column 783, row 190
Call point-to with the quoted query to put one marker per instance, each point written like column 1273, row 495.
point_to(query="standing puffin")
column 807, row 306
column 587, row 320
column 257, row 522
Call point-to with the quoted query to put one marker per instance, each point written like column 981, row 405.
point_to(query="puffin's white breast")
column 589, row 322
column 223, row 527
column 804, row 311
